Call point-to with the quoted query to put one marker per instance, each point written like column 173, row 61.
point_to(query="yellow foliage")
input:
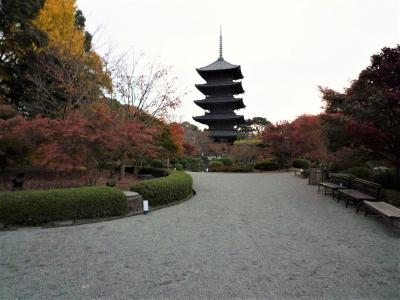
column 57, row 19
column 94, row 61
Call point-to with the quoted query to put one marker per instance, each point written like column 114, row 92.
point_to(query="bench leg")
column 325, row 191
column 318, row 188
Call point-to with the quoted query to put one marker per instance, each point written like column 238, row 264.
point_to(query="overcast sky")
column 286, row 48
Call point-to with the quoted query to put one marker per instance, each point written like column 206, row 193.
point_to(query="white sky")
column 286, row 47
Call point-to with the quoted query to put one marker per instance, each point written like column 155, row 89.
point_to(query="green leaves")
column 164, row 190
column 37, row 207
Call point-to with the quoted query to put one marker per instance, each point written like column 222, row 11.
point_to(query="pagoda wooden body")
column 223, row 82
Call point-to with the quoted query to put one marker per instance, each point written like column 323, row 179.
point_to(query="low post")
column 145, row 207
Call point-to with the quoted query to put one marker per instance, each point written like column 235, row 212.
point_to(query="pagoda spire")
column 220, row 41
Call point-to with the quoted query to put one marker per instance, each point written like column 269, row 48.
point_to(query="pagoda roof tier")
column 211, row 118
column 234, row 103
column 221, row 88
column 220, row 67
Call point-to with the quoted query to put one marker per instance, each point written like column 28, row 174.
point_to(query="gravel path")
column 243, row 236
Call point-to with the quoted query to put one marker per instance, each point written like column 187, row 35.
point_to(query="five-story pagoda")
column 222, row 84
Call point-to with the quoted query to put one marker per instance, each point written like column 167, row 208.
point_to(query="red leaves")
column 177, row 136
column 90, row 141
column 300, row 138
column 190, row 149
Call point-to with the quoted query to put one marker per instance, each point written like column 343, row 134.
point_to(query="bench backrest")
column 338, row 178
column 367, row 187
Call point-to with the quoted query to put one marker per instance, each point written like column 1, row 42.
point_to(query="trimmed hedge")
column 214, row 165
column 178, row 167
column 155, row 172
column 267, row 165
column 227, row 161
column 37, row 207
column 156, row 163
column 392, row 197
column 385, row 178
column 194, row 164
column 164, row 190
column 301, row 163
column 360, row 172
column 232, row 169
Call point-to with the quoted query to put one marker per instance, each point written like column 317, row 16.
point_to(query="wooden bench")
column 335, row 182
column 360, row 190
column 389, row 212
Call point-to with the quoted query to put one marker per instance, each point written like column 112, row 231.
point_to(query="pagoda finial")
column 220, row 41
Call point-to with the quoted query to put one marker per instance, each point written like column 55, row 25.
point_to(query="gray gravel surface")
column 243, row 236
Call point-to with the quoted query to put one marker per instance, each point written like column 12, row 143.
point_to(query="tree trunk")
column 136, row 168
column 122, row 170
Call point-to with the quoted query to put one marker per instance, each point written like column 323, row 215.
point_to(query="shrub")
column 267, row 165
column 391, row 197
column 155, row 172
column 306, row 173
column 193, row 164
column 233, row 169
column 214, row 165
column 37, row 207
column 164, row 190
column 178, row 167
column 130, row 169
column 385, row 178
column 360, row 172
column 156, row 163
column 301, row 163
column 227, row 161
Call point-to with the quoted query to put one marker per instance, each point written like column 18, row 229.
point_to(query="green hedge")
column 232, row 169
column 155, row 172
column 267, row 165
column 392, row 197
column 178, row 167
column 226, row 160
column 214, row 165
column 37, row 207
column 164, row 190
column 385, row 178
column 301, row 163
column 156, row 163
column 360, row 172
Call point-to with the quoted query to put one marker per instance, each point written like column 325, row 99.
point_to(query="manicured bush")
column 174, row 187
column 227, row 161
column 194, row 164
column 267, row 165
column 306, row 173
column 359, row 172
column 214, row 165
column 301, row 163
column 233, row 169
column 178, row 167
column 391, row 197
column 155, row 172
column 156, row 163
column 37, row 207
column 385, row 178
